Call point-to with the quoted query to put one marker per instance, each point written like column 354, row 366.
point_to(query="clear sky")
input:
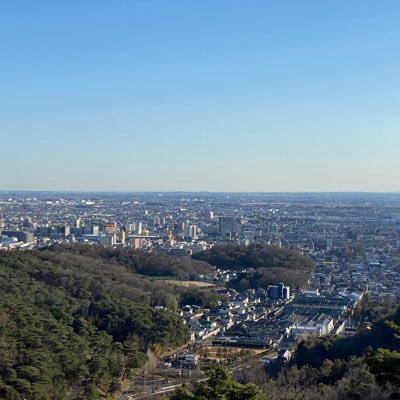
column 218, row 95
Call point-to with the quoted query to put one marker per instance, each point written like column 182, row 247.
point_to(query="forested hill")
column 137, row 261
column 254, row 256
column 67, row 317
column 271, row 265
column 315, row 351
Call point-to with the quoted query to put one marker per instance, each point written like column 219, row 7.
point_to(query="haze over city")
column 215, row 96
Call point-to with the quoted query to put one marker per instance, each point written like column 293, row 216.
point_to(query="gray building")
column 226, row 226
column 277, row 292
column 22, row 236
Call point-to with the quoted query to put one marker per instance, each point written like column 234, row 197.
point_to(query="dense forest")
column 262, row 277
column 138, row 261
column 70, row 317
column 271, row 265
column 254, row 256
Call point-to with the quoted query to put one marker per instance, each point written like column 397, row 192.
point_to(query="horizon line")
column 200, row 191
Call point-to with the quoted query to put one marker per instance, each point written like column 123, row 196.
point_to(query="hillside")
column 271, row 265
column 254, row 256
column 66, row 317
column 137, row 261
column 316, row 350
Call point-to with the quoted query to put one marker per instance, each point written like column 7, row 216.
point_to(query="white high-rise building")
column 191, row 231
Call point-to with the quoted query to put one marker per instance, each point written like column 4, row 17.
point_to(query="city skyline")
column 215, row 97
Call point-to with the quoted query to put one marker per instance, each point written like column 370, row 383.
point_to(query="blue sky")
column 200, row 95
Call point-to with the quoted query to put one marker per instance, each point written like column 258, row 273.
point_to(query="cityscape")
column 353, row 241
column 353, row 238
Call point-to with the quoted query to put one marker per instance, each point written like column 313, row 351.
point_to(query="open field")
column 222, row 353
column 189, row 283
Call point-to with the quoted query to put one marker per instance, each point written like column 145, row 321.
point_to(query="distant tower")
column 122, row 236
column 111, row 227
column 190, row 231
column 170, row 239
column 280, row 290
column 66, row 230
column 227, row 226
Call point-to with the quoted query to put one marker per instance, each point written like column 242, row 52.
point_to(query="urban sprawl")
column 353, row 239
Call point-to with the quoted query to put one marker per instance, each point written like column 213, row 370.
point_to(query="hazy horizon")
column 156, row 192
column 213, row 96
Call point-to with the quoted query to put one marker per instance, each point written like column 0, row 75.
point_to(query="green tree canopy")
column 219, row 386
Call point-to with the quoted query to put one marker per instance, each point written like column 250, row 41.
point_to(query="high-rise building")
column 170, row 239
column 277, row 292
column 273, row 292
column 87, row 230
column 27, row 223
column 107, row 240
column 191, row 231
column 22, row 236
column 121, row 236
column 65, row 230
column 111, row 227
column 248, row 235
column 227, row 226
column 136, row 243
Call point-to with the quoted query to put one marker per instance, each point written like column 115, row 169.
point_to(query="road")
column 243, row 364
column 165, row 389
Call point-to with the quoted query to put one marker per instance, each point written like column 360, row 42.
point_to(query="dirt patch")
column 189, row 283
column 223, row 353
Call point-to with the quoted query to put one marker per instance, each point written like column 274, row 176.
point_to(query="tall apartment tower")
column 227, row 226
column 276, row 292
